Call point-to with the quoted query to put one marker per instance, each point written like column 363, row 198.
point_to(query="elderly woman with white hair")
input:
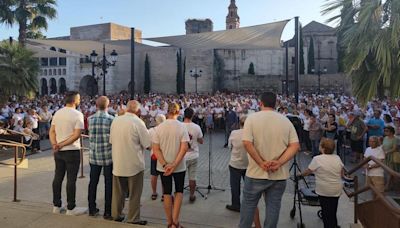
column 153, row 161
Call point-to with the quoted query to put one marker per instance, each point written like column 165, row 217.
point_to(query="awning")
column 85, row 47
column 265, row 36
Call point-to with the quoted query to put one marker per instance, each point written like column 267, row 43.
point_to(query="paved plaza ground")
column 35, row 193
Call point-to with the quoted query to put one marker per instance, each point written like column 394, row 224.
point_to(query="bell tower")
column 233, row 19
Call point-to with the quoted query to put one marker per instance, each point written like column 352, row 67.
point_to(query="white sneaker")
column 58, row 210
column 77, row 211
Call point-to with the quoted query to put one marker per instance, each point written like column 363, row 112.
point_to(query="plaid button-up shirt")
column 99, row 138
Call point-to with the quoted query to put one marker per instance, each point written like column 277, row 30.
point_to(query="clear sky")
column 167, row 17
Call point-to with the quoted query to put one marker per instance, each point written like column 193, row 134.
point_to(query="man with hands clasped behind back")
column 65, row 133
column 271, row 141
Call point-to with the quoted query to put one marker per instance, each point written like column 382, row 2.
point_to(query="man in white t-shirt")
column 170, row 143
column 129, row 138
column 65, row 133
column 375, row 173
column 192, row 155
column 271, row 141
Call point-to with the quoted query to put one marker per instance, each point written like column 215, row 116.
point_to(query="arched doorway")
column 53, row 86
column 88, row 86
column 63, row 85
column 44, row 90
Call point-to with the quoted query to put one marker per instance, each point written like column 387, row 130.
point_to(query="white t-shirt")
column 66, row 120
column 169, row 136
column 271, row 133
column 379, row 154
column 195, row 133
column 239, row 158
column 328, row 174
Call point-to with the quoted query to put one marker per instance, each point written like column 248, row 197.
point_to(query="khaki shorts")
column 377, row 182
column 191, row 166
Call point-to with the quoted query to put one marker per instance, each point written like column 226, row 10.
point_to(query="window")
column 53, row 49
column 45, row 72
column 62, row 50
column 59, row 71
column 44, row 61
column 243, row 54
column 230, row 27
column 64, row 71
column 53, row 61
column 50, row 72
column 54, row 71
column 62, row 61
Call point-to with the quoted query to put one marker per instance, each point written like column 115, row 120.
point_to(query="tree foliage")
column 369, row 34
column 301, row 68
column 18, row 71
column 251, row 69
column 27, row 13
column 147, row 81
column 311, row 57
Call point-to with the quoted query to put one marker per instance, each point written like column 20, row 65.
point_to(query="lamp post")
column 103, row 64
column 196, row 73
column 319, row 72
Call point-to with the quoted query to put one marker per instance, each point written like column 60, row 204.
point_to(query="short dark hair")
column 188, row 113
column 268, row 99
column 390, row 129
column 70, row 97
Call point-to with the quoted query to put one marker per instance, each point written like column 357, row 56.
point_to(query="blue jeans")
column 95, row 171
column 315, row 147
column 253, row 189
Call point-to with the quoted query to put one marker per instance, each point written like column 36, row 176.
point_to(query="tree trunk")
column 22, row 34
column 22, row 22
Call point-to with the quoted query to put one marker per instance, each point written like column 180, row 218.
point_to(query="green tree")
column 147, row 81
column 311, row 59
column 18, row 71
column 370, row 34
column 27, row 13
column 301, row 69
column 251, row 69
column 183, row 75
column 34, row 33
column 179, row 78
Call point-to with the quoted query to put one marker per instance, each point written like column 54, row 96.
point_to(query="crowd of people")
column 172, row 127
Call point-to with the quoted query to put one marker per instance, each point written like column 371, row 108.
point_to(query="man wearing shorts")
column 170, row 143
column 192, row 155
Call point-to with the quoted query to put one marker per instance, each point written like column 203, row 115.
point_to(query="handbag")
column 396, row 157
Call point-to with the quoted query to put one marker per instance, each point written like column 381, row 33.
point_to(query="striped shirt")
column 99, row 139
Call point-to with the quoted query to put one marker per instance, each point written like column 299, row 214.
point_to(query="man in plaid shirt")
column 100, row 156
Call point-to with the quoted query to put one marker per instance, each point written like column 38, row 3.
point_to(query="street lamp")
column 319, row 72
column 196, row 73
column 103, row 64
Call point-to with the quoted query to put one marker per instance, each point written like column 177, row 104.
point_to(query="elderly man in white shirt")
column 129, row 138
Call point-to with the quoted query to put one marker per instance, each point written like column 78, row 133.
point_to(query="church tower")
column 233, row 19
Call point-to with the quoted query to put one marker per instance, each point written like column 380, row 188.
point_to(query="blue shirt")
column 376, row 132
column 100, row 152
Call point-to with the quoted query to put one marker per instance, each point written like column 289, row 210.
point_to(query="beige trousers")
column 121, row 187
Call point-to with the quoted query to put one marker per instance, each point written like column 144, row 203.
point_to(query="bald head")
column 102, row 103
column 133, row 106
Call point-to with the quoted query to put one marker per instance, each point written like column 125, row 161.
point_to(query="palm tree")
column 18, row 71
column 370, row 34
column 27, row 13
